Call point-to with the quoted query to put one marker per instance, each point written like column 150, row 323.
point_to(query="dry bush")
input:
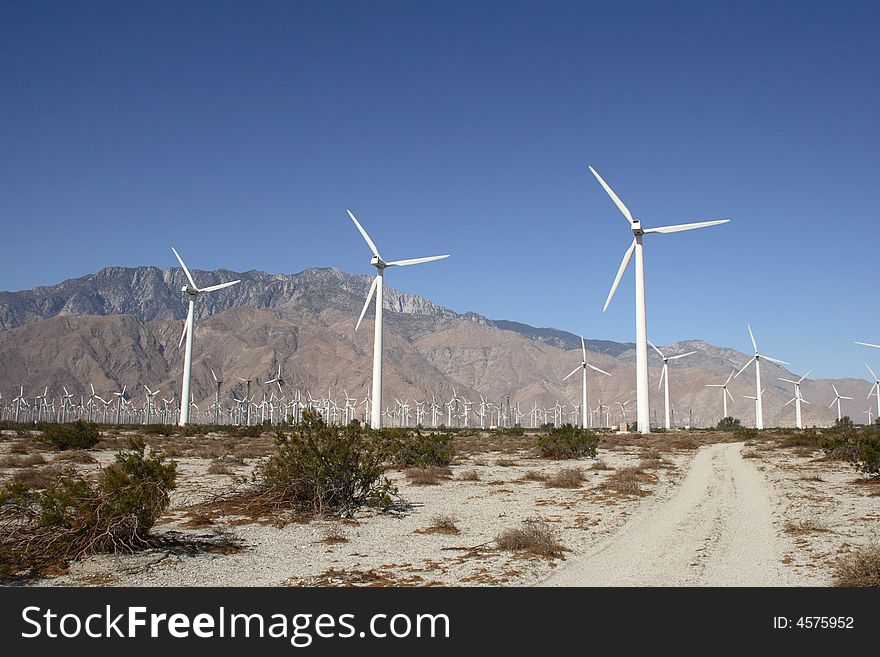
column 861, row 567
column 627, row 481
column 469, row 475
column 14, row 461
column 568, row 442
column 534, row 475
column 430, row 476
column 220, row 467
column 804, row 527
column 21, row 446
column 75, row 456
column 36, row 478
column 601, row 465
column 441, row 524
column 534, row 536
column 566, row 478
column 334, row 535
column 74, row 517
column 812, row 477
column 506, row 463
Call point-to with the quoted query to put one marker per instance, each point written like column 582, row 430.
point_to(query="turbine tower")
column 797, row 399
column 377, row 288
column 664, row 375
column 875, row 389
column 759, row 392
column 192, row 291
column 642, row 402
column 583, row 367
column 725, row 393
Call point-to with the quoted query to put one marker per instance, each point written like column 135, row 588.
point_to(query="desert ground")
column 677, row 509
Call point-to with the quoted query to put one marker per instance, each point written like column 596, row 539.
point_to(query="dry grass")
column 627, row 481
column 804, row 527
column 75, row 456
column 566, row 478
column 334, row 535
column 15, row 461
column 534, row 536
column 220, row 467
column 601, row 465
column 38, row 477
column 534, row 475
column 441, row 524
column 506, row 463
column 469, row 475
column 861, row 567
column 430, row 476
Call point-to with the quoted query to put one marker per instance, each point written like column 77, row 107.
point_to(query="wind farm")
column 305, row 411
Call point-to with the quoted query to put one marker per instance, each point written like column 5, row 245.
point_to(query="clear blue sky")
column 241, row 132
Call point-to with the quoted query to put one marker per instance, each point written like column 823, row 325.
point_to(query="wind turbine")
column 664, row 375
column 797, row 399
column 759, row 392
column 837, row 398
column 642, row 402
column 192, row 291
column 875, row 389
column 725, row 392
column 216, row 397
column 583, row 367
column 377, row 288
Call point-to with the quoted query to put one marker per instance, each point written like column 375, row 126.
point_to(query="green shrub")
column 323, row 469
column 859, row 447
column 728, row 424
column 413, row 449
column 76, row 435
column 74, row 517
column 568, row 442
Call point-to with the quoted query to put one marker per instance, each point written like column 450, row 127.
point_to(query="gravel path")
column 715, row 530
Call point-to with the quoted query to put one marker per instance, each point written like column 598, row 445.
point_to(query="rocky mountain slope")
column 121, row 326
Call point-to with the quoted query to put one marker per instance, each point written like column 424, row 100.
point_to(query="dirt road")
column 715, row 530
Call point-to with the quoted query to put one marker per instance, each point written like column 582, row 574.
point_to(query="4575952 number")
column 814, row 623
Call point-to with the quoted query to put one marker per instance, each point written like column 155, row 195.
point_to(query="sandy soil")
column 722, row 514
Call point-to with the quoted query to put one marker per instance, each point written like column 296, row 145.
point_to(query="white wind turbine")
column 837, row 398
column 725, row 393
column 192, row 291
column 664, row 375
column 797, row 399
column 377, row 288
column 583, row 367
column 759, row 392
column 875, row 389
column 642, row 402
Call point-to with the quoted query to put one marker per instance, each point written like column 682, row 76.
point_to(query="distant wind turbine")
column 875, row 389
column 583, row 367
column 192, row 291
column 837, row 398
column 725, row 393
column 759, row 392
column 797, row 399
column 377, row 288
column 642, row 402
column 664, row 375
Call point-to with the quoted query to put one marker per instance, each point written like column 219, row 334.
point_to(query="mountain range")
column 121, row 326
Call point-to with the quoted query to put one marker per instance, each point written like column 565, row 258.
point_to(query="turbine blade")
column 774, row 360
column 787, row 380
column 690, row 353
column 185, row 326
column 729, row 395
column 744, row 367
column 871, row 371
column 656, row 349
column 364, row 233
column 614, row 197
column 752, row 336
column 367, row 302
column 414, row 261
column 623, row 264
column 185, row 270
column 211, row 288
column 662, row 374
column 574, row 371
column 214, row 375
column 593, row 367
column 584, row 348
column 835, row 390
column 868, row 344
column 789, row 401
column 804, row 376
column 680, row 227
column 729, row 377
